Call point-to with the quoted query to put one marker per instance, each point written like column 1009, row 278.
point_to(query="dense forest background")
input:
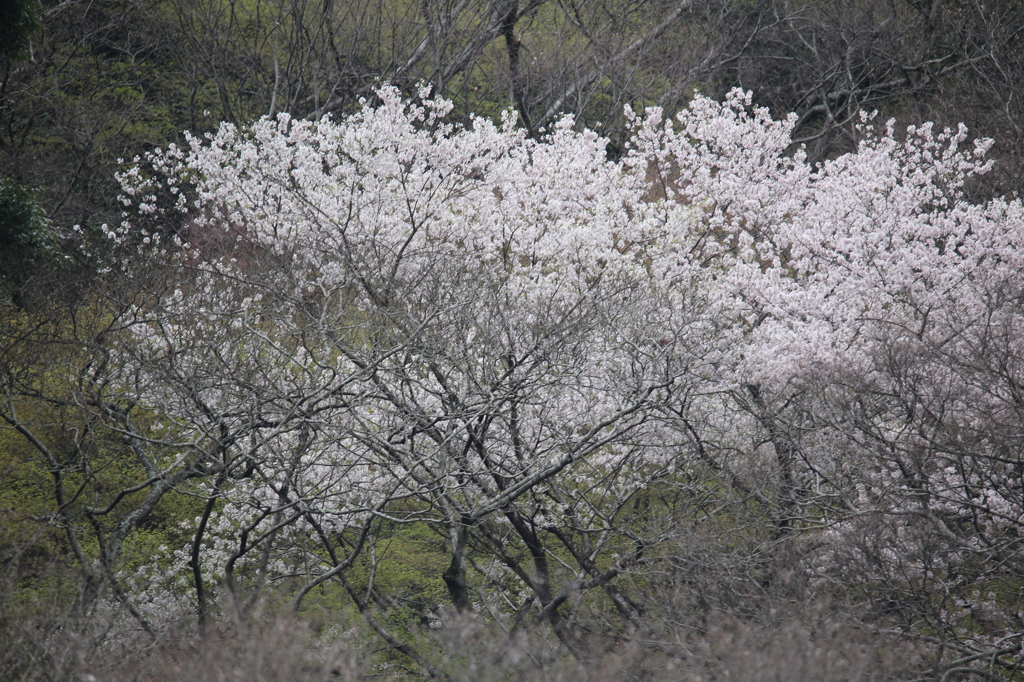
column 115, row 464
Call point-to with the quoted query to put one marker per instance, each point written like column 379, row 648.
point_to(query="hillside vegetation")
column 511, row 340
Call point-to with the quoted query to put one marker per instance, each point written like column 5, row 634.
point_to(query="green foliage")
column 104, row 85
column 24, row 232
column 17, row 22
column 406, row 561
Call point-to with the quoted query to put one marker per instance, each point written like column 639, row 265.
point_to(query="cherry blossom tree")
column 562, row 365
column 393, row 318
column 881, row 361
